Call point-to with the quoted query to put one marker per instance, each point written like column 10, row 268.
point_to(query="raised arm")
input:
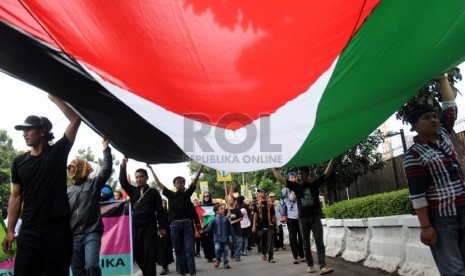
column 329, row 169
column 14, row 209
column 123, row 180
column 447, row 95
column 106, row 171
column 279, row 176
column 155, row 177
column 197, row 176
column 71, row 115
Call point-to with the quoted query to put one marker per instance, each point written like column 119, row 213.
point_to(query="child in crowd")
column 223, row 235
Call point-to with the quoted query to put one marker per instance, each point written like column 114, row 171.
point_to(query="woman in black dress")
column 165, row 255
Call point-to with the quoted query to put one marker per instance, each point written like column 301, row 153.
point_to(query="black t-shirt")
column 43, row 183
column 180, row 205
column 262, row 208
column 235, row 214
column 308, row 200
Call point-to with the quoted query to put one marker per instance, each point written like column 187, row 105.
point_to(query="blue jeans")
column 222, row 250
column 182, row 236
column 449, row 251
column 244, row 244
column 86, row 254
column 238, row 247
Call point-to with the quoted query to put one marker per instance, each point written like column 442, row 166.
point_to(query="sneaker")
column 272, row 261
column 237, row 259
column 217, row 264
column 311, row 269
column 302, row 259
column 226, row 266
column 296, row 261
column 325, row 270
column 244, row 253
column 164, row 271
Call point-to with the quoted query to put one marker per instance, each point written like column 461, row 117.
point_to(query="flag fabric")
column 231, row 191
column 206, row 214
column 240, row 86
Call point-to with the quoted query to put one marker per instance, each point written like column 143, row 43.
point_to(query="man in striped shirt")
column 436, row 182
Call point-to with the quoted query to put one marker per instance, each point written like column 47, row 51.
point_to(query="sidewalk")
column 254, row 266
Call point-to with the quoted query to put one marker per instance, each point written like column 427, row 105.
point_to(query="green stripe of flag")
column 401, row 46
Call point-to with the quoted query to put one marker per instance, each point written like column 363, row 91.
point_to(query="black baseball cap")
column 35, row 121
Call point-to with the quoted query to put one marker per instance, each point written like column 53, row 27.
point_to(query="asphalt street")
column 253, row 265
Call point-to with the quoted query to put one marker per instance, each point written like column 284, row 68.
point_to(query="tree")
column 7, row 154
column 358, row 161
column 430, row 94
column 88, row 155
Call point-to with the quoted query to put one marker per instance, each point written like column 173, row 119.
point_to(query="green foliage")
column 359, row 160
column 429, row 94
column 378, row 205
column 88, row 155
column 7, row 154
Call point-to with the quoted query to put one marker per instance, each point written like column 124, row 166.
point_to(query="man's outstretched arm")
column 71, row 115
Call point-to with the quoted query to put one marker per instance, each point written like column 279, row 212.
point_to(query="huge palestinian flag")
column 237, row 85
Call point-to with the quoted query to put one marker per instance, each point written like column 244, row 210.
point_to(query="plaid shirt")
column 433, row 172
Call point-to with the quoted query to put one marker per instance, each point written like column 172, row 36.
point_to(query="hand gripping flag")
column 236, row 85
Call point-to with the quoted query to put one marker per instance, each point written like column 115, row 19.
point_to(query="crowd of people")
column 51, row 212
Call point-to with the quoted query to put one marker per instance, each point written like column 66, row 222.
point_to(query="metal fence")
column 385, row 180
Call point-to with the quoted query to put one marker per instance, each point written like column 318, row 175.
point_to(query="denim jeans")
column 245, row 243
column 222, row 251
column 449, row 251
column 238, row 247
column 182, row 236
column 86, row 254
column 312, row 224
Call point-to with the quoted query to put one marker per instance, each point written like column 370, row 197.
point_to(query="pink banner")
column 115, row 228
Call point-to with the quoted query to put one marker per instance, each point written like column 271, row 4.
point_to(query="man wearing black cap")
column 39, row 195
column 437, row 184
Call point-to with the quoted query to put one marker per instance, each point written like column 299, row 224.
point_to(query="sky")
column 20, row 100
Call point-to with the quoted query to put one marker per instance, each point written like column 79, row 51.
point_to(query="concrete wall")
column 389, row 243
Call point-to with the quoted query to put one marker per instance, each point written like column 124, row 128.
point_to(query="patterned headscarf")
column 83, row 169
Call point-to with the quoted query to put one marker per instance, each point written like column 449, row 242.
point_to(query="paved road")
column 254, row 266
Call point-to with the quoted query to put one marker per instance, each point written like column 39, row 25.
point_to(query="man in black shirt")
column 180, row 215
column 39, row 195
column 308, row 204
column 147, row 212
